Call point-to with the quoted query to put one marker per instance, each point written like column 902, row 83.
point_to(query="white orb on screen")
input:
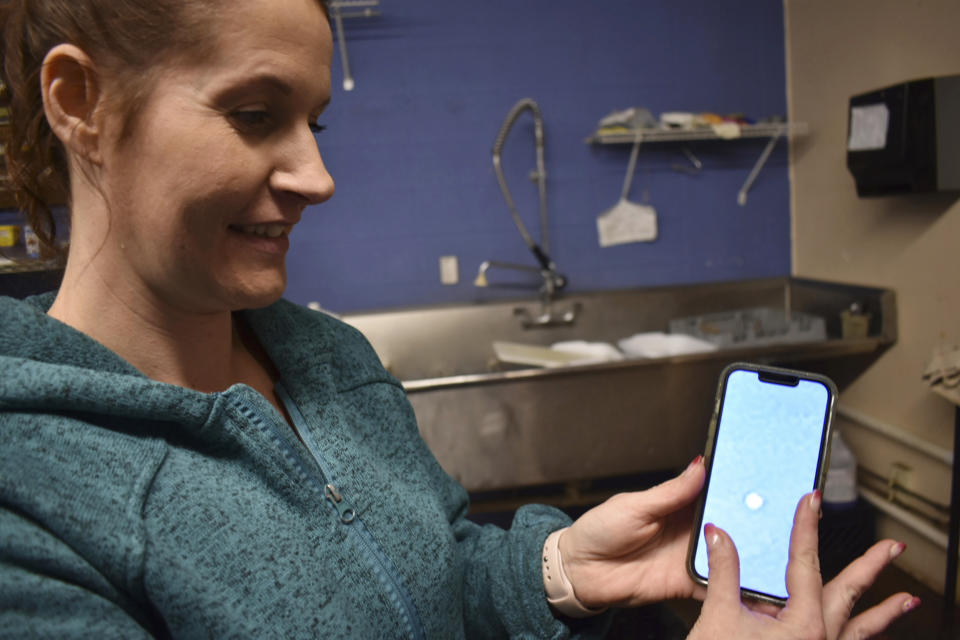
column 753, row 500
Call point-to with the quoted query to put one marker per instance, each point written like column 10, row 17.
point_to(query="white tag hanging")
column 627, row 222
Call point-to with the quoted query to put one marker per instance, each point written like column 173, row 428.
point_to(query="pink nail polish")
column 911, row 603
column 693, row 463
column 897, row 549
column 815, row 498
column 710, row 533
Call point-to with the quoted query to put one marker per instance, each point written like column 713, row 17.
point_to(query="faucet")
column 552, row 283
column 552, row 280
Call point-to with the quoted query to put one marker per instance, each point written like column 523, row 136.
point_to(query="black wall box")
column 905, row 138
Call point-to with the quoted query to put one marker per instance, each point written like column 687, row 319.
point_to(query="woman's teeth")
column 265, row 230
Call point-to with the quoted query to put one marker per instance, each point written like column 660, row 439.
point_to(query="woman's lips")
column 271, row 237
column 270, row 230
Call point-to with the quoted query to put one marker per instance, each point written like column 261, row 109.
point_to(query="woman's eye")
column 316, row 127
column 252, row 119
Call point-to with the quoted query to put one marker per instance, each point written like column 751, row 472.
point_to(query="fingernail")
column 692, row 464
column 897, row 548
column 911, row 603
column 815, row 498
column 710, row 533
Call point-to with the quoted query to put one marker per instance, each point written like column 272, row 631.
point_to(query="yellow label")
column 8, row 235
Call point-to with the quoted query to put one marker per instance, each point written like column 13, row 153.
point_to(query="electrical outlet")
column 449, row 270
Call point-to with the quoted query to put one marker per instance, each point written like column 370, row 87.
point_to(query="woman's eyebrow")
column 260, row 81
column 266, row 81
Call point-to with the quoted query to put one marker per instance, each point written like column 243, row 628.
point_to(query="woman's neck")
column 201, row 351
column 167, row 340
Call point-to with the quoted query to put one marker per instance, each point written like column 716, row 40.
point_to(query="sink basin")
column 496, row 426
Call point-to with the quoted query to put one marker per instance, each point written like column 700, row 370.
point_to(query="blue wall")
column 410, row 146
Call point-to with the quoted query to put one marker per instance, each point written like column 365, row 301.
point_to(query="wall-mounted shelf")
column 773, row 131
column 8, row 266
column 16, row 260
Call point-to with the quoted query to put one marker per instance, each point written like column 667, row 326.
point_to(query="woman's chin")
column 261, row 301
column 256, row 295
column 263, row 298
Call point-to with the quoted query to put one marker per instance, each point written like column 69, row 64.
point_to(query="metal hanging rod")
column 337, row 14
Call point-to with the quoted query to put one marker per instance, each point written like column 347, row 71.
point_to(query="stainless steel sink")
column 496, row 426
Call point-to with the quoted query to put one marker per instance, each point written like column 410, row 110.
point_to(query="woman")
column 186, row 454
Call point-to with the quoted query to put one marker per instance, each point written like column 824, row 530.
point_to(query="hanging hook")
column 694, row 161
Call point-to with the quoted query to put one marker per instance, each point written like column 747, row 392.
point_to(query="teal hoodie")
column 133, row 508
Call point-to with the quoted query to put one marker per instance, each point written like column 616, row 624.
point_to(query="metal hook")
column 694, row 160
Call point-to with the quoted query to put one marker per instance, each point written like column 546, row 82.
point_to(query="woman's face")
column 221, row 162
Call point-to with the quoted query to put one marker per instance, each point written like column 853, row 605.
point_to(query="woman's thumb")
column 674, row 494
column 723, row 582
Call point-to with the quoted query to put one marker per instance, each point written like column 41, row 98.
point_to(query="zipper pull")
column 347, row 513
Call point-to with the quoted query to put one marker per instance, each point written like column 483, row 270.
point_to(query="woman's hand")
column 812, row 611
column 631, row 550
column 841, row 594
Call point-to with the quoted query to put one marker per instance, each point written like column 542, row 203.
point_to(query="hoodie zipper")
column 326, row 484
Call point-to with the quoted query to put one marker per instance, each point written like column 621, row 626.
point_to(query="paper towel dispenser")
column 905, row 138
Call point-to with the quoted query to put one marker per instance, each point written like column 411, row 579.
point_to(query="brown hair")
column 124, row 37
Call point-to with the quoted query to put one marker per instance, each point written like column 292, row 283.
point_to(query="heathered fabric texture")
column 133, row 508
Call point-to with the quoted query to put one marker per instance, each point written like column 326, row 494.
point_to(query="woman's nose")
column 301, row 170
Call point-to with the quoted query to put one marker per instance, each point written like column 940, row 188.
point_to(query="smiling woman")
column 208, row 232
column 186, row 136
column 183, row 453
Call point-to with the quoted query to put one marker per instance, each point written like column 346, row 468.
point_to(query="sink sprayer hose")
column 539, row 251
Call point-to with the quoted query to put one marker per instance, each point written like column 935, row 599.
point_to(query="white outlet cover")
column 449, row 270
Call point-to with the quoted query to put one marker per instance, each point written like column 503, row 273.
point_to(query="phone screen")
column 768, row 451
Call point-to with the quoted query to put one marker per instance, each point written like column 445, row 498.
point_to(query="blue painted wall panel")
column 410, row 147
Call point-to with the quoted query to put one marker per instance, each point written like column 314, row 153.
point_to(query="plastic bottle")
column 840, row 488
column 31, row 242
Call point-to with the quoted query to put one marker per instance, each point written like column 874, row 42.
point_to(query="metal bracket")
column 762, row 160
column 337, row 14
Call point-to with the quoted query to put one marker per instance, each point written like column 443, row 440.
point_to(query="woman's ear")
column 71, row 97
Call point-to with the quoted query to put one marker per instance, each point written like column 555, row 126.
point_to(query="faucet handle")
column 548, row 316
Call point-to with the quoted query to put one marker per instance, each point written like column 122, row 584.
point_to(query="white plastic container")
column 840, row 488
column 31, row 242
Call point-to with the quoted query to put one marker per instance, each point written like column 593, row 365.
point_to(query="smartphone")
column 768, row 445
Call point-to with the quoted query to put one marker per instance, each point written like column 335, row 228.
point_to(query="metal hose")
column 540, row 251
